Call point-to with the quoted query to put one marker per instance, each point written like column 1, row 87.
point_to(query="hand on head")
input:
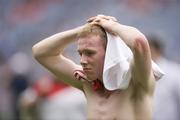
column 107, row 22
column 99, row 17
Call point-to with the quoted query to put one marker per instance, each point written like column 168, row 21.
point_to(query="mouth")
column 86, row 70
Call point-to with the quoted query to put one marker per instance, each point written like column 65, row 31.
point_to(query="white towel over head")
column 117, row 69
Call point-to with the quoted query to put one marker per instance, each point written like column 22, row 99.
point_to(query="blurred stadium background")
column 25, row 22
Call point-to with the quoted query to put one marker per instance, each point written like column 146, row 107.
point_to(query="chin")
column 92, row 78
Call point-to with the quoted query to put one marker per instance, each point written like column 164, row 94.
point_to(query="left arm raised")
column 137, row 42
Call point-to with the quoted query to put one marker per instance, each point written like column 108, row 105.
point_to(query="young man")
column 133, row 103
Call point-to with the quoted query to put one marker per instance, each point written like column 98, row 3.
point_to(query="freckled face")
column 92, row 54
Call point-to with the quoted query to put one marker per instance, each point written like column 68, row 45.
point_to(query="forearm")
column 54, row 45
column 129, row 34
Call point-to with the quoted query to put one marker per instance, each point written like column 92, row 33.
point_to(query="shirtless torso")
column 118, row 104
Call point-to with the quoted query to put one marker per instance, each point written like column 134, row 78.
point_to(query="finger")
column 80, row 78
column 107, row 17
column 91, row 19
column 112, row 18
column 103, row 17
column 80, row 75
column 96, row 18
column 100, row 16
column 94, row 23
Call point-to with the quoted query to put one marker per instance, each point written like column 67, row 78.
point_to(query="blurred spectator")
column 20, row 67
column 6, row 112
column 49, row 99
column 18, row 85
column 167, row 92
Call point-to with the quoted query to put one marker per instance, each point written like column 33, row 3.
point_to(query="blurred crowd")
column 29, row 92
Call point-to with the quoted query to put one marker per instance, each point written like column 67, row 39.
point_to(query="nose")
column 83, row 60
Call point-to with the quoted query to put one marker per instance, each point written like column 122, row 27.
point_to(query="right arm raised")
column 48, row 52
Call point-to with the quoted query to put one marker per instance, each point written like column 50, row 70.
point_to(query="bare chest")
column 115, row 105
column 108, row 105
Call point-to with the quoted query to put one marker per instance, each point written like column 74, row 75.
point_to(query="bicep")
column 63, row 68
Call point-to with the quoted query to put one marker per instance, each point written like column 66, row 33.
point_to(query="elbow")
column 36, row 52
column 39, row 51
column 141, row 44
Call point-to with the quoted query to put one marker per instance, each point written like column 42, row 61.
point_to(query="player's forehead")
column 91, row 40
column 91, row 43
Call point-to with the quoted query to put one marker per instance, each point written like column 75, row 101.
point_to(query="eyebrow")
column 79, row 51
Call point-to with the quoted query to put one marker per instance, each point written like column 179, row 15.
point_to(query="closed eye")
column 87, row 52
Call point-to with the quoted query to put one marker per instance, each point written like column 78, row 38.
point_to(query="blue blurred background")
column 25, row 22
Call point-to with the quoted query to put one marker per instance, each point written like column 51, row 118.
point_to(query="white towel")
column 117, row 70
